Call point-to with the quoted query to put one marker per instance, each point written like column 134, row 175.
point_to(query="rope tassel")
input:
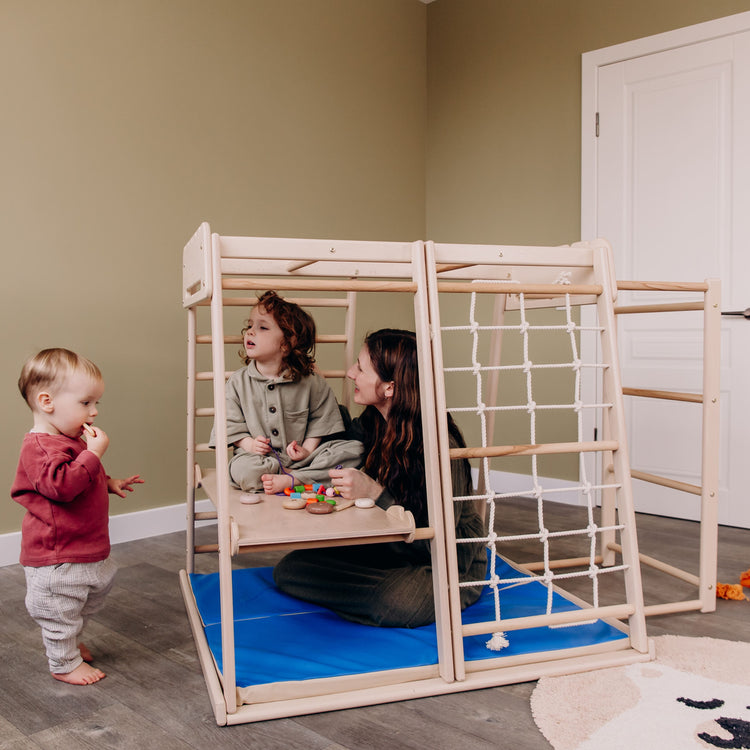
column 498, row 642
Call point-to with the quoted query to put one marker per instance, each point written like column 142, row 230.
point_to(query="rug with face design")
column 694, row 694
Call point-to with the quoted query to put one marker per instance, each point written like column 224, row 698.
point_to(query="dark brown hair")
column 394, row 448
column 298, row 328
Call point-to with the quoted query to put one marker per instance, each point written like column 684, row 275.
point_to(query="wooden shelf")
column 268, row 524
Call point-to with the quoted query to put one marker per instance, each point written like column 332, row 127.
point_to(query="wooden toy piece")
column 292, row 490
column 342, row 504
column 364, row 502
column 319, row 507
column 294, row 503
column 250, row 498
column 88, row 429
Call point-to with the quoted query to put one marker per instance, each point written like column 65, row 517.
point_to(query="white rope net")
column 536, row 491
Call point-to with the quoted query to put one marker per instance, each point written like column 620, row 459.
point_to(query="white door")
column 672, row 195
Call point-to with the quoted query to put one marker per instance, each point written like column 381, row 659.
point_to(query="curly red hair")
column 298, row 328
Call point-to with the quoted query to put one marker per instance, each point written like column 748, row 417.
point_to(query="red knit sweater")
column 63, row 487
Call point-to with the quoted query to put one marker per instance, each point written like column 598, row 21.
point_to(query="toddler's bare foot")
column 275, row 483
column 85, row 653
column 83, row 674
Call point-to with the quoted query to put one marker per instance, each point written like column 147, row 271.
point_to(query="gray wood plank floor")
column 154, row 695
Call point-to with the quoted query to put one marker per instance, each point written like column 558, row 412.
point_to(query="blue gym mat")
column 279, row 638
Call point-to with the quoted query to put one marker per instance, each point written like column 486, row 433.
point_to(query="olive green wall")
column 126, row 123
column 504, row 124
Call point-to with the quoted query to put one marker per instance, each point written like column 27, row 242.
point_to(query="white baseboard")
column 126, row 527
column 142, row 524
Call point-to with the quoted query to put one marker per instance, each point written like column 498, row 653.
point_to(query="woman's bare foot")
column 275, row 483
column 83, row 674
column 85, row 653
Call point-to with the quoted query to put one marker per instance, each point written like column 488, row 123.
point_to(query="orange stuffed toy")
column 734, row 590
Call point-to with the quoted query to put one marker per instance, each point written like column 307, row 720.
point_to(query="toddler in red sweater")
column 64, row 488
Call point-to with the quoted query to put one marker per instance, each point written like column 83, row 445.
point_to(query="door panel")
column 673, row 198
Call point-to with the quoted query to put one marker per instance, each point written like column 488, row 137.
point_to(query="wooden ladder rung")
column 534, row 450
column 662, row 307
column 693, row 398
column 652, row 562
column 500, row 287
column 208, row 375
column 323, row 338
column 693, row 489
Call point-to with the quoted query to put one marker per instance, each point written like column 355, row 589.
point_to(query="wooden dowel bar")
column 616, row 611
column 671, row 607
column 206, row 515
column 203, row 448
column 424, row 532
column 693, row 398
column 202, row 549
column 323, row 338
column 644, row 476
column 662, row 286
column 323, row 285
column 506, row 287
column 569, row 562
column 671, row 570
column 663, row 307
column 301, row 301
column 534, row 450
column 208, row 375
column 205, row 411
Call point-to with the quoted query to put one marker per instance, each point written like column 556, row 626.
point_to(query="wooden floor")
column 154, row 695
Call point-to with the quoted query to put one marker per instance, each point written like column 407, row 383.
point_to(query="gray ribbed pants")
column 61, row 598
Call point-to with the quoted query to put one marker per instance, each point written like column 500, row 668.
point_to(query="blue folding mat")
column 279, row 638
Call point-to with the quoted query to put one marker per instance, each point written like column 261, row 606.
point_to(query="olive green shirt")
column 278, row 408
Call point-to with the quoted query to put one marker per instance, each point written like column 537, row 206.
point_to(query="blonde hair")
column 49, row 368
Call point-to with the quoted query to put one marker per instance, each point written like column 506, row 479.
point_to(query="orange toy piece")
column 745, row 578
column 730, row 591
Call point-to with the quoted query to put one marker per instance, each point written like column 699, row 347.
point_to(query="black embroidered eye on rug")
column 694, row 694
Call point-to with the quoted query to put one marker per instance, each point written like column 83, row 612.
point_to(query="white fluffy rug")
column 695, row 694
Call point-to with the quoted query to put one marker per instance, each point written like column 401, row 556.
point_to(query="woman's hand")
column 353, row 484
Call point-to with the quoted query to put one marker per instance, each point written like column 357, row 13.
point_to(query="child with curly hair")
column 283, row 420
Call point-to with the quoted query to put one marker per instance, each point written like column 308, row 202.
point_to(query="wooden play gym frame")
column 216, row 267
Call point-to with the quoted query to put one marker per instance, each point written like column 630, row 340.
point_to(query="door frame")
column 591, row 63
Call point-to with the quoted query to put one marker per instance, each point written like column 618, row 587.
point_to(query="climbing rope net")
column 536, row 491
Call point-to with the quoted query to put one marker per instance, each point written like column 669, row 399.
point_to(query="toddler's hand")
column 121, row 486
column 260, row 445
column 297, row 452
column 98, row 442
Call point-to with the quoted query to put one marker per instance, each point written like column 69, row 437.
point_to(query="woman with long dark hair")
column 388, row 584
